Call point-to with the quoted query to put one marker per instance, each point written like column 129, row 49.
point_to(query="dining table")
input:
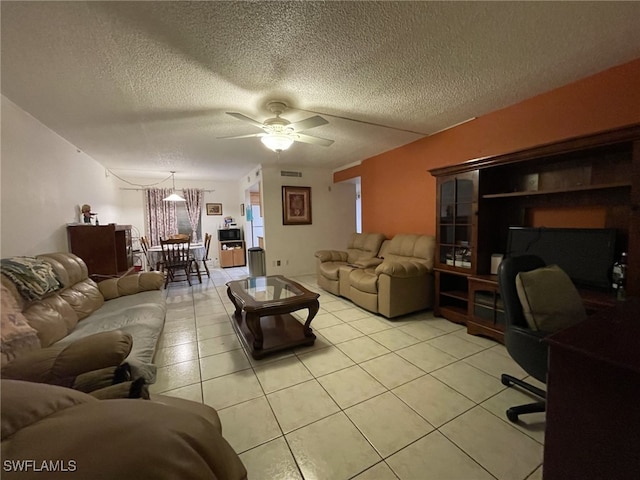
column 155, row 253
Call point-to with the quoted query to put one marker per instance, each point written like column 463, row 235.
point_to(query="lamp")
column 174, row 197
column 277, row 141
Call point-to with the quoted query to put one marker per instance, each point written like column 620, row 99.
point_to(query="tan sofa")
column 67, row 325
column 361, row 251
column 55, row 432
column 396, row 281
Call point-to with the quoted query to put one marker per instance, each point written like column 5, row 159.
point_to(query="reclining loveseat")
column 396, row 280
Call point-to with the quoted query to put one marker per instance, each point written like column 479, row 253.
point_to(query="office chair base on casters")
column 514, row 412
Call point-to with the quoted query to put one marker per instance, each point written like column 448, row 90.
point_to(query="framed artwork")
column 296, row 205
column 214, row 209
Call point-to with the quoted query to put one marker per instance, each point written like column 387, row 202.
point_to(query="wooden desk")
column 593, row 393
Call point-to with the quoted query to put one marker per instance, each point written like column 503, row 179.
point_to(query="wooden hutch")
column 478, row 200
column 106, row 249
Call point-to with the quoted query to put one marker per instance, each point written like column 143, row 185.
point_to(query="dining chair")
column 179, row 236
column 177, row 258
column 205, row 258
column 144, row 244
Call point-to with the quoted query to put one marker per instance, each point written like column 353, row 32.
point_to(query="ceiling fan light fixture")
column 174, row 197
column 277, row 141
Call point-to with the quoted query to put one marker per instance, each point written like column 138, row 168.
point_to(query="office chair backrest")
column 507, row 273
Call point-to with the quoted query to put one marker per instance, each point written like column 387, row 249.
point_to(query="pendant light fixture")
column 277, row 141
column 174, row 197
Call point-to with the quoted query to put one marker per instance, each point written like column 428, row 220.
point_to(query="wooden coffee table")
column 263, row 317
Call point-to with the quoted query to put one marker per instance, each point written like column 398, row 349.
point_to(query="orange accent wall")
column 398, row 192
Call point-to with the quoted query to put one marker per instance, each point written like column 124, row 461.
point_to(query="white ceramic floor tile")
column 249, row 424
column 455, row 345
column 370, row 325
column 388, row 423
column 380, row 471
column 422, row 330
column 301, row 405
column 392, row 370
column 340, row 333
column 272, row 461
column 433, row 400
column 362, row 349
column 190, row 392
column 351, row 314
column 214, row 330
column 445, row 325
column 482, row 341
column 324, row 320
column 215, row 345
column 325, row 360
column 394, row 339
column 489, row 441
column 228, row 390
column 471, row 382
column 536, row 475
column 426, row 357
column 319, row 344
column 494, row 363
column 350, row 386
column 175, row 354
column 170, row 339
column 175, row 376
column 334, row 306
column 281, row 374
column 533, row 424
column 223, row 364
column 331, row 448
column 212, row 319
column 434, row 456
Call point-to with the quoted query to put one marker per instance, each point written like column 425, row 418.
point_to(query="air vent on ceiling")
column 287, row 173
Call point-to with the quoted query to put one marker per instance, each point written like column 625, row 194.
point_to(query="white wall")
column 333, row 219
column 44, row 181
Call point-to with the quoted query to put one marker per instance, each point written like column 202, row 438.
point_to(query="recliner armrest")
column 331, row 256
column 394, row 268
column 60, row 365
column 368, row 262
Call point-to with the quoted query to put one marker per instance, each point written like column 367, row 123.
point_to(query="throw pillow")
column 16, row 335
column 549, row 299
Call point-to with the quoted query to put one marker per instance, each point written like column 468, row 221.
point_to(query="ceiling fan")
column 279, row 133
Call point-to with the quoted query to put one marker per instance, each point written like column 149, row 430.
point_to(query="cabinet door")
column 226, row 258
column 238, row 257
column 456, row 221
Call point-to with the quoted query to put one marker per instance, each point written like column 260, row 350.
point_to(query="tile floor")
column 414, row 398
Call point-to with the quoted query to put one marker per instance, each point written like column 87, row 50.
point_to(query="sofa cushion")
column 411, row 247
column 364, row 279
column 141, row 315
column 331, row 270
column 549, row 299
column 16, row 335
column 363, row 245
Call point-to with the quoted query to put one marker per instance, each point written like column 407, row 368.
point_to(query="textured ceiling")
column 142, row 87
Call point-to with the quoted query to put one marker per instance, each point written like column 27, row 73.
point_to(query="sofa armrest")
column 331, row 256
column 368, row 262
column 131, row 284
column 60, row 365
column 400, row 269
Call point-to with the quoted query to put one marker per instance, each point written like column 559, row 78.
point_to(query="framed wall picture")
column 296, row 205
column 214, row 209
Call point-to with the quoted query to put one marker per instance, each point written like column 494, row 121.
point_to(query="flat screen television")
column 586, row 254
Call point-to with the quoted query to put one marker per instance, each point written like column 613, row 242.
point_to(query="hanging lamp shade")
column 174, row 197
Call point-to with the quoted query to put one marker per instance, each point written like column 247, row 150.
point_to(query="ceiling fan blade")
column 301, row 137
column 242, row 136
column 244, row 118
column 308, row 123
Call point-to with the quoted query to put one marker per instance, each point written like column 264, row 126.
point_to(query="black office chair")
column 527, row 347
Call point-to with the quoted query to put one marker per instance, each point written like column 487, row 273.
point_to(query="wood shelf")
column 582, row 188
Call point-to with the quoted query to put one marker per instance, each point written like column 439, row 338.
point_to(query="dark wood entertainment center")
column 479, row 199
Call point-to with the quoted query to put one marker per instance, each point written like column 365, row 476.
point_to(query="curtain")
column 162, row 219
column 193, row 197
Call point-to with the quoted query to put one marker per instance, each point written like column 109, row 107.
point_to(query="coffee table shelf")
column 263, row 307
